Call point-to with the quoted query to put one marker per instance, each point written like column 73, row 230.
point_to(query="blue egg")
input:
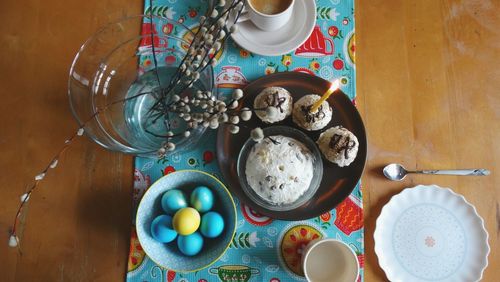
column 162, row 230
column 212, row 224
column 190, row 245
column 173, row 200
column 202, row 199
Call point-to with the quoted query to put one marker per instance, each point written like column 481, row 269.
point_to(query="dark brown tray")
column 337, row 183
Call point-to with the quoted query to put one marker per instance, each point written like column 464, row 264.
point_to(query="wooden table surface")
column 428, row 89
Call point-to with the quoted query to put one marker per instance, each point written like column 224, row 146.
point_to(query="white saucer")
column 429, row 233
column 281, row 41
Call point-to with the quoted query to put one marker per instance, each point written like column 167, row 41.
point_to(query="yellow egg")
column 186, row 221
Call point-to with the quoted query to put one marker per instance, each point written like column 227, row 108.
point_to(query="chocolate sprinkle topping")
column 274, row 141
column 299, row 157
column 274, row 100
column 342, row 143
column 312, row 117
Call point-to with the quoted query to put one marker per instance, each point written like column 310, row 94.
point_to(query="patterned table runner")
column 262, row 249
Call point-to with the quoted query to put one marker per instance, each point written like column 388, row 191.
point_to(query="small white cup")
column 267, row 22
column 330, row 260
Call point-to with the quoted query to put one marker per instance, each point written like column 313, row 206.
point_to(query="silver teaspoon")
column 397, row 172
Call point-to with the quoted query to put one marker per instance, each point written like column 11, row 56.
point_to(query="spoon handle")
column 477, row 172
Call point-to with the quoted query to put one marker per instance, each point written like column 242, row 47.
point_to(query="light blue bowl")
column 168, row 255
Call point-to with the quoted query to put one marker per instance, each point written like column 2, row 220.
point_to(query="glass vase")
column 117, row 76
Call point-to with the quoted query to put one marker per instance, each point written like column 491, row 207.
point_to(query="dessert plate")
column 429, row 233
column 337, row 183
column 281, row 41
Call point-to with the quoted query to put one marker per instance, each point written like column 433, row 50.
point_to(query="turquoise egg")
column 202, row 199
column 212, row 224
column 173, row 200
column 162, row 230
column 190, row 245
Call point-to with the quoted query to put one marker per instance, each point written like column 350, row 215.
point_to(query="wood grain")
column 428, row 89
column 78, row 222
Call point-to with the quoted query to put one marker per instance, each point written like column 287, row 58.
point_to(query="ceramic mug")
column 234, row 273
column 329, row 260
column 263, row 20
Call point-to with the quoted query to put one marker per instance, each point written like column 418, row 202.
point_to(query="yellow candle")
column 335, row 85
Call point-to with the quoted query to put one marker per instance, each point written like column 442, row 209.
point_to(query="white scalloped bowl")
column 429, row 233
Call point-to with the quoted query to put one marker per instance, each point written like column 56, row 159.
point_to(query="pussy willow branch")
column 155, row 61
column 178, row 75
column 203, row 43
column 159, row 96
column 58, row 155
column 161, row 105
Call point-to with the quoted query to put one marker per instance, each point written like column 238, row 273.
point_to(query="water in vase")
column 146, row 126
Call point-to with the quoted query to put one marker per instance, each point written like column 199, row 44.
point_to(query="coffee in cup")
column 270, row 7
column 266, row 14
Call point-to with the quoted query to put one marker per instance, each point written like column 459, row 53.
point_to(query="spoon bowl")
column 395, row 172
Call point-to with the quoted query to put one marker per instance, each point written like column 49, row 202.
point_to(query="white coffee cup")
column 267, row 22
column 330, row 260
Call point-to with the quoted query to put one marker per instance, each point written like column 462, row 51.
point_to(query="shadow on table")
column 377, row 172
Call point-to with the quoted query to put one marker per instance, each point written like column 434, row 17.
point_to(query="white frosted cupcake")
column 273, row 104
column 311, row 121
column 338, row 145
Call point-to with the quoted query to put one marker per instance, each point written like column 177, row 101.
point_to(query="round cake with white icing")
column 303, row 117
column 338, row 145
column 273, row 104
column 279, row 169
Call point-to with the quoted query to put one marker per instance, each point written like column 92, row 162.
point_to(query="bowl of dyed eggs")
column 186, row 220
